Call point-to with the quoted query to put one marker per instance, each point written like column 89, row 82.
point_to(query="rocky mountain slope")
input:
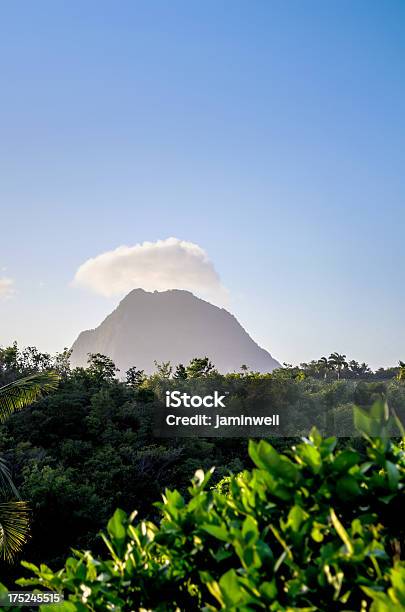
column 171, row 326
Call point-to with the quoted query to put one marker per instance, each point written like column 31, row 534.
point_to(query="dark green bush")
column 312, row 529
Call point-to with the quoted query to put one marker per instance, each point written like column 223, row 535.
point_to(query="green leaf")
column 250, row 531
column 365, row 424
column 379, row 411
column 296, row 517
column 267, row 458
column 393, row 475
column 116, row 527
column 347, row 487
column 219, row 532
column 230, row 588
column 269, row 590
column 14, row 528
column 373, row 423
column 397, row 576
column 317, row 532
column 315, row 436
column 344, row 536
column 345, row 460
column 327, row 446
column 174, row 499
column 24, row 391
column 310, row 456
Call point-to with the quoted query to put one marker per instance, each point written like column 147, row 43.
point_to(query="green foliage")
column 22, row 392
column 401, row 373
column 393, row 600
column 163, row 370
column 89, row 446
column 101, row 368
column 200, row 367
column 14, row 527
column 134, row 377
column 14, row 513
column 314, row 528
column 338, row 363
column 180, row 372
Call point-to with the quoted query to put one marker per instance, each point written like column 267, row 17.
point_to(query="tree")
column 9, row 357
column 134, row 377
column 180, row 373
column 311, row 369
column 14, row 513
column 200, row 367
column 31, row 360
column 61, row 362
column 401, row 373
column 358, row 369
column 101, row 367
column 323, row 366
column 365, row 369
column 164, row 369
column 338, row 363
column 288, row 372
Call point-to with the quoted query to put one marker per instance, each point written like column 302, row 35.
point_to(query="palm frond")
column 14, row 528
column 24, row 391
column 6, row 483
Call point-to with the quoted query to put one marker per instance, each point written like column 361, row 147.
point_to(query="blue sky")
column 271, row 134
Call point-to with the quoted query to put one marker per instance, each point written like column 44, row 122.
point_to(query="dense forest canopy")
column 88, row 447
column 317, row 527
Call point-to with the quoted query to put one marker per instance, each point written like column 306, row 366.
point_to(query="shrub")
column 315, row 528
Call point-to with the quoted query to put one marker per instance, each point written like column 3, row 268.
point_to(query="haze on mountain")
column 173, row 326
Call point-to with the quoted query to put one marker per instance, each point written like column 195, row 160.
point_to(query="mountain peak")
column 175, row 326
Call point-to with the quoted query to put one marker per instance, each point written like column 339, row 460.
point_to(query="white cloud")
column 6, row 287
column 161, row 265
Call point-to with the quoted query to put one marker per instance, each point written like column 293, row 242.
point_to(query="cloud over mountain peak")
column 161, row 265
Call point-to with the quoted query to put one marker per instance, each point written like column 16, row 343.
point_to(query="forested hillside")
column 88, row 447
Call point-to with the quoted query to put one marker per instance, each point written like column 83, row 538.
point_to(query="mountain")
column 171, row 326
